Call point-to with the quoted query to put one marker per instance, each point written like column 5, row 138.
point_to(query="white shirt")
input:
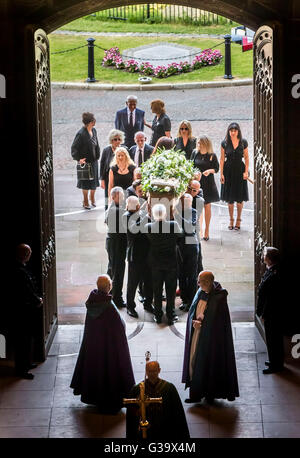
column 133, row 116
column 136, row 156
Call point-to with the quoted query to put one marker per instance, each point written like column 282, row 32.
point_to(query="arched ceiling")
column 51, row 14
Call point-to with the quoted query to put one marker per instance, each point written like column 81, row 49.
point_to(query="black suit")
column 270, row 308
column 23, row 320
column 147, row 152
column 139, row 269
column 116, row 243
column 163, row 237
column 121, row 123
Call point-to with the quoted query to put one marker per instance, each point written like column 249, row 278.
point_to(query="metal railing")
column 156, row 12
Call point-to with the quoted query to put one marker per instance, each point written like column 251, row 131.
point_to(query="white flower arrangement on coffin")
column 167, row 173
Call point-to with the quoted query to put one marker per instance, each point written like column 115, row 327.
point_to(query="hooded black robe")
column 167, row 420
column 103, row 374
column 214, row 372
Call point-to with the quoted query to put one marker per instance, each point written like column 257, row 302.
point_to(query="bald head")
column 23, row 253
column 104, row 283
column 152, row 371
column 132, row 204
column 205, row 280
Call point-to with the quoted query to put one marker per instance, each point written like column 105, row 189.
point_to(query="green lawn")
column 92, row 24
column 72, row 66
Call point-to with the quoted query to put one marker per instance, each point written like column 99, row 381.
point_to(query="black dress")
column 188, row 148
column 235, row 188
column 160, row 127
column 124, row 181
column 204, row 162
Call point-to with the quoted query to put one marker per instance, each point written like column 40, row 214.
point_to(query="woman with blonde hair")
column 121, row 169
column 161, row 124
column 207, row 162
column 115, row 139
column 185, row 141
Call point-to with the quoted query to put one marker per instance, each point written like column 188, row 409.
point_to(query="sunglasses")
column 184, row 128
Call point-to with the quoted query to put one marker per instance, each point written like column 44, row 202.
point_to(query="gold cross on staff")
column 143, row 401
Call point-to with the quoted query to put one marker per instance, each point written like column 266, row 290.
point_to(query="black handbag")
column 85, row 171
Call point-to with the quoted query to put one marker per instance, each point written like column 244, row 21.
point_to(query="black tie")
column 140, row 158
column 131, row 119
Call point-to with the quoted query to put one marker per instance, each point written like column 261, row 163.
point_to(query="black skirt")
column 90, row 184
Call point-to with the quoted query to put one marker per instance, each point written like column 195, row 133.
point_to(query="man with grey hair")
column 269, row 305
column 130, row 120
column 141, row 151
column 163, row 235
column 116, row 244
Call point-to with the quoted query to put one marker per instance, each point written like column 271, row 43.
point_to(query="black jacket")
column 138, row 244
column 147, row 151
column 269, row 295
column 163, row 237
column 82, row 146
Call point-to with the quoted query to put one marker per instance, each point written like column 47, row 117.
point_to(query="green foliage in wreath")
column 167, row 171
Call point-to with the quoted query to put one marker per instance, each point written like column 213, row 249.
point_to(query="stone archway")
column 20, row 21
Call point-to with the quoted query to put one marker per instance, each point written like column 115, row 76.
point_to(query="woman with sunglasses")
column 234, row 165
column 207, row 162
column 115, row 138
column 185, row 141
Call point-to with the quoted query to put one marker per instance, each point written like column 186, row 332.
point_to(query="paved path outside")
column 80, row 235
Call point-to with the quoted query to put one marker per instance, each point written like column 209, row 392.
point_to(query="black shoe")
column 209, row 400
column 149, row 308
column 206, row 239
column 172, row 320
column 120, row 304
column 267, row 363
column 157, row 319
column 132, row 312
column 272, row 370
column 33, row 366
column 184, row 306
column 190, row 401
column 27, row 376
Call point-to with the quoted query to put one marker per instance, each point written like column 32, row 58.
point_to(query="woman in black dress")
column 234, row 172
column 85, row 149
column 207, row 162
column 161, row 124
column 184, row 140
column 121, row 170
column 115, row 138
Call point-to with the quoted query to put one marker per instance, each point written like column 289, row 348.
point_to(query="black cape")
column 167, row 420
column 103, row 374
column 214, row 373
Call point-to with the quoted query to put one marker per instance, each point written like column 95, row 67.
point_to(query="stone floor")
column 268, row 406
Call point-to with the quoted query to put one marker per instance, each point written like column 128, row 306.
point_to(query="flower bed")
column 113, row 58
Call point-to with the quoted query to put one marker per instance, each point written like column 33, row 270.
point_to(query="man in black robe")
column 166, row 420
column 269, row 305
column 209, row 367
column 22, row 321
column 103, row 374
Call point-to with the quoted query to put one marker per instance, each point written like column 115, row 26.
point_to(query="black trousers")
column 23, row 344
column 116, row 250
column 169, row 278
column 188, row 271
column 200, row 265
column 139, row 273
column 274, row 341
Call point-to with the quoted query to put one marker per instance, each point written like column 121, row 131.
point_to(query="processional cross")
column 143, row 401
